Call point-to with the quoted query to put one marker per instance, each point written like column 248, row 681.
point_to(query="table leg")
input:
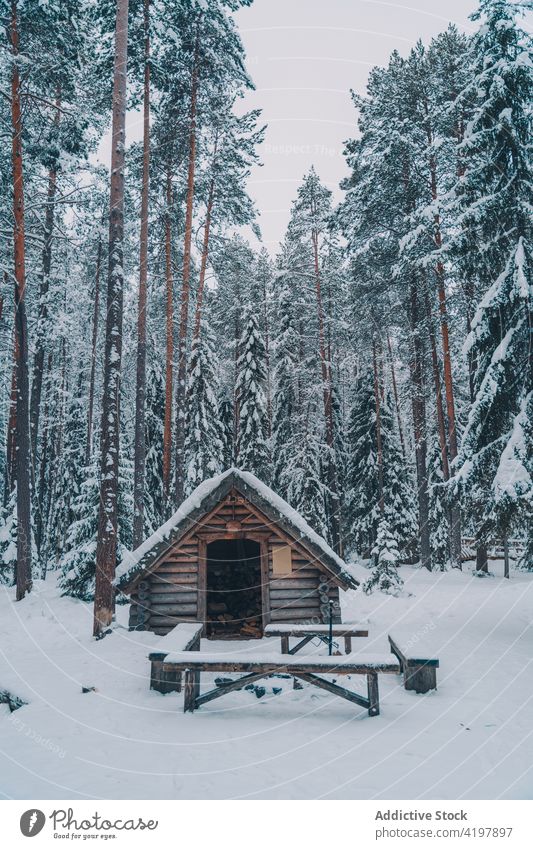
column 347, row 644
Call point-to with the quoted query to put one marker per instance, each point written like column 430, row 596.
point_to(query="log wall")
column 170, row 594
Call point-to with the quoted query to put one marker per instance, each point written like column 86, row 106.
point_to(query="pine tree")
column 204, row 439
column 252, row 425
column 494, row 249
column 385, row 577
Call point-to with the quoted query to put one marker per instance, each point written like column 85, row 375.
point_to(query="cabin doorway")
column 234, row 597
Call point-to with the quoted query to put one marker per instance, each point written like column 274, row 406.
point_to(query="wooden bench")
column 183, row 638
column 305, row 668
column 306, row 633
column 420, row 669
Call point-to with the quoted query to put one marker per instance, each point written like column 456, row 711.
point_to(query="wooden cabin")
column 236, row 557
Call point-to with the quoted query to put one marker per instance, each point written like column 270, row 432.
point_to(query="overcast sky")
column 304, row 56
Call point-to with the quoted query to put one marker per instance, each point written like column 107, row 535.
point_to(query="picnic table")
column 309, row 669
column 306, row 633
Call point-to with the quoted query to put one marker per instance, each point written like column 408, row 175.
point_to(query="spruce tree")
column 204, row 439
column 385, row 577
column 439, row 531
column 154, row 514
column 494, row 250
column 78, row 563
column 303, row 481
column 8, row 540
column 252, row 423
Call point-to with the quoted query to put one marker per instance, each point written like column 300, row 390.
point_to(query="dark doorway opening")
column 234, row 589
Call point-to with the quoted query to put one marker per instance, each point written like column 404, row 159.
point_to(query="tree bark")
column 92, row 376
column 106, row 548
column 419, row 425
column 179, row 481
column 38, row 360
column 22, row 431
column 169, row 373
column 140, row 395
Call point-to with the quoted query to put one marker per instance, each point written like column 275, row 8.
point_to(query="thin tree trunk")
column 377, row 401
column 419, row 427
column 23, row 449
column 203, row 262
column 455, row 515
column 327, row 397
column 169, row 373
column 185, row 288
column 44, row 464
column 441, row 426
column 140, row 395
column 396, row 396
column 106, row 548
column 38, row 360
column 267, row 358
column 11, row 444
column 92, row 376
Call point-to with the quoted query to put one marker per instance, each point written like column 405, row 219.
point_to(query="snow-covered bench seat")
column 417, row 661
column 184, row 637
column 264, row 665
column 306, row 633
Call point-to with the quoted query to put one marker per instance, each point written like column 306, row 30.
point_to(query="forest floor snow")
column 472, row 738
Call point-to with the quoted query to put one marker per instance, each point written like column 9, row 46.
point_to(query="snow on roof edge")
column 132, row 559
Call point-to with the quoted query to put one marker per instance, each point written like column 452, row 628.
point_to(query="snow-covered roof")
column 204, row 498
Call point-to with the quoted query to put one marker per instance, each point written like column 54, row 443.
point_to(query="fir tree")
column 252, row 424
column 494, row 250
column 204, row 439
column 8, row 540
column 79, row 560
column 154, row 514
column 385, row 577
column 439, row 533
column 303, row 482
column 362, row 499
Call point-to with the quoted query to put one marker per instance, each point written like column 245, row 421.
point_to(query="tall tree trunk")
column 23, row 449
column 38, row 360
column 455, row 514
column 92, row 376
column 396, row 396
column 441, row 426
column 169, row 372
column 43, row 464
column 106, row 548
column 325, row 366
column 419, row 425
column 11, row 442
column 140, row 395
column 377, row 401
column 267, row 358
column 185, row 288
column 203, row 262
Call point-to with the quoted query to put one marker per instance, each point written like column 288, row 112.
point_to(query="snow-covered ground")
column 473, row 738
